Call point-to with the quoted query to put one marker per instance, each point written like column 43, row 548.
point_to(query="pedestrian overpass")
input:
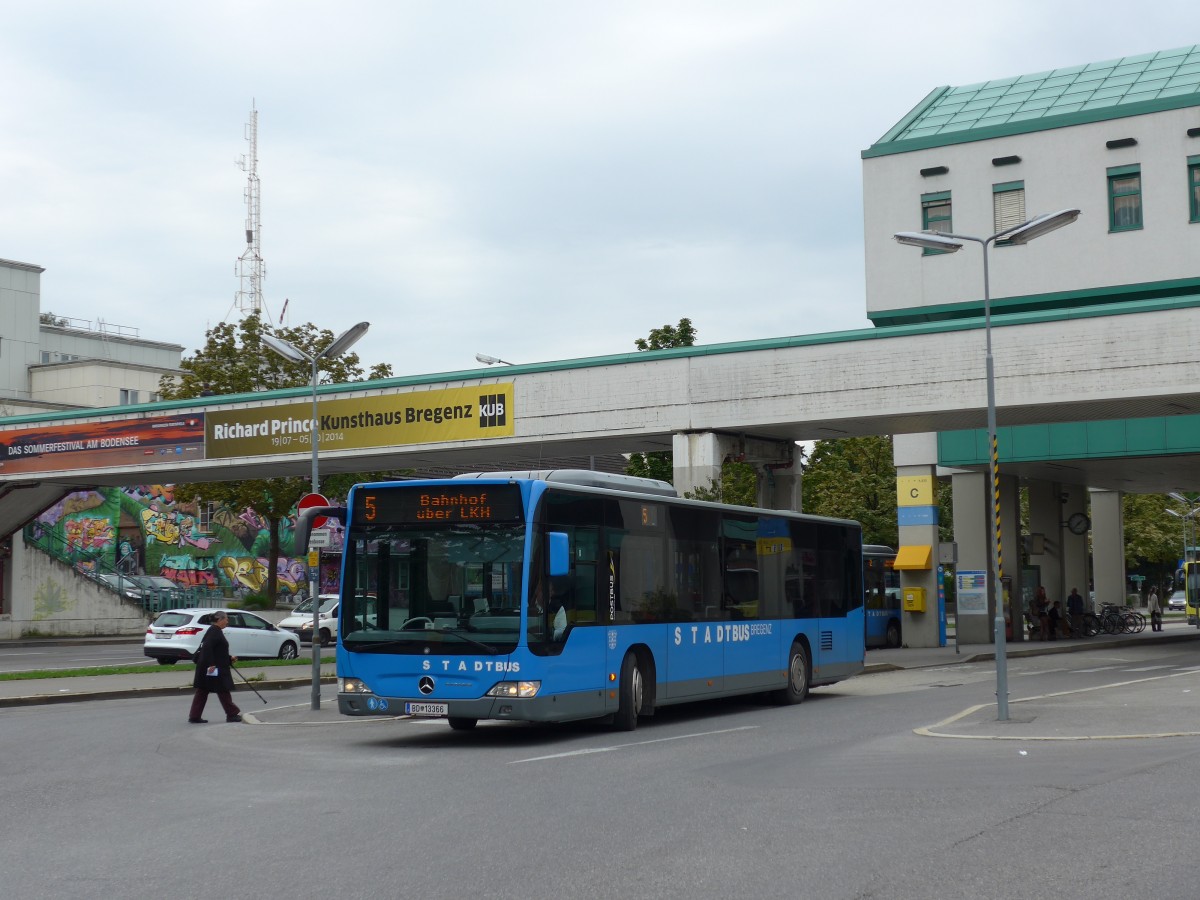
column 1104, row 396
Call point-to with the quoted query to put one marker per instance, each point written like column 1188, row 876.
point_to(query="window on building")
column 935, row 215
column 128, row 397
column 1125, row 198
column 1008, row 206
column 1194, row 188
column 207, row 510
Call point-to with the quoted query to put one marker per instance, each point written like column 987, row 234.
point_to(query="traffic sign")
column 310, row 500
column 319, row 538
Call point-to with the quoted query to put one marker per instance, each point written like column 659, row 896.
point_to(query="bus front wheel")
column 797, row 677
column 629, row 703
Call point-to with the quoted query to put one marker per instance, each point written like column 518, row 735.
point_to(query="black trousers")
column 201, row 698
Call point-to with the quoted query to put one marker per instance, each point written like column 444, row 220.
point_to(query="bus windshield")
column 455, row 587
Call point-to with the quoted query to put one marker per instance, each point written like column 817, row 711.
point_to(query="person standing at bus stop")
column 214, row 672
column 1155, row 608
column 1075, row 610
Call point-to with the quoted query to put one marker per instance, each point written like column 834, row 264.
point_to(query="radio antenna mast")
column 251, row 271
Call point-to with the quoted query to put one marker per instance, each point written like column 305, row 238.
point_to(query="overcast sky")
column 532, row 180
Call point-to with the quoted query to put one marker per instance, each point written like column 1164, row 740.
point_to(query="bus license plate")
column 426, row 709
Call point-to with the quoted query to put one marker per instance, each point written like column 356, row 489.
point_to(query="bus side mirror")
column 560, row 553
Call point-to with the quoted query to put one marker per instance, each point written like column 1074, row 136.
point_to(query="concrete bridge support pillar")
column 698, row 457
column 973, row 510
column 915, row 457
column 972, row 533
column 1055, row 508
column 1045, row 539
column 781, row 485
column 1010, row 555
column 1075, row 557
column 1108, row 547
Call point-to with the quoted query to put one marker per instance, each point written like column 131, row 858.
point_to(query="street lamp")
column 1194, row 507
column 951, row 243
column 1183, row 524
column 340, row 345
column 492, row 360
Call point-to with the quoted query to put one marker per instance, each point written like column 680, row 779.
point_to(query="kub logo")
column 491, row 411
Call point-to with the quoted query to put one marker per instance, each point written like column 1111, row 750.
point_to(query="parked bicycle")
column 1113, row 619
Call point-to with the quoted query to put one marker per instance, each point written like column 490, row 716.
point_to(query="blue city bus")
column 881, row 588
column 565, row 595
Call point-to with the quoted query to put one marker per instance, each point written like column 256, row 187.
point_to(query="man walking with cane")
column 214, row 672
column 1155, row 610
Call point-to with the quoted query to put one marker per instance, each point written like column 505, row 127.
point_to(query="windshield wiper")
column 443, row 630
column 371, row 645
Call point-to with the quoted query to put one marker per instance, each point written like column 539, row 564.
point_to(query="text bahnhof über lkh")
column 458, row 507
column 408, row 416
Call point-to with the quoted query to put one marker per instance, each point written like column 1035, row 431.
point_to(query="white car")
column 1178, row 600
column 175, row 634
column 300, row 621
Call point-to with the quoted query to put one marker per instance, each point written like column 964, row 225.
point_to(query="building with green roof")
column 1119, row 140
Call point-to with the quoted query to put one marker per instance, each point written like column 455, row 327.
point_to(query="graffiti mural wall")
column 142, row 530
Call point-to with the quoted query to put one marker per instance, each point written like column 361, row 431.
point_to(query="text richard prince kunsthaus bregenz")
column 422, row 417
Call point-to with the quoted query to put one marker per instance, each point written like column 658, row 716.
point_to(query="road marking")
column 590, row 750
column 1149, row 668
column 1097, row 669
column 929, row 730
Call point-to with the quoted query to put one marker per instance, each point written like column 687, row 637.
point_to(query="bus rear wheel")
column 631, row 695
column 893, row 634
column 797, row 677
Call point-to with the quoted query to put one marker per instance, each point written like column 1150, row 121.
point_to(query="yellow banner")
column 421, row 417
column 914, row 490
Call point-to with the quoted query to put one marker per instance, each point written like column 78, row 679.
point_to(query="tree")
column 738, row 484
column 855, row 478
column 1153, row 539
column 660, row 463
column 234, row 360
column 681, row 335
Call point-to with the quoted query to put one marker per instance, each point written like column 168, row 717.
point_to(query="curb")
column 128, row 693
column 1022, row 651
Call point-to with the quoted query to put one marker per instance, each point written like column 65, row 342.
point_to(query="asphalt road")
column 837, row 798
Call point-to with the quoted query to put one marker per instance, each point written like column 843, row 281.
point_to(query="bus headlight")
column 353, row 686
column 522, row 689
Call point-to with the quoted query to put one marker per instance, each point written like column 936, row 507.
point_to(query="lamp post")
column 492, row 360
column 288, row 351
column 1194, row 508
column 951, row 243
column 1183, row 526
column 1183, row 533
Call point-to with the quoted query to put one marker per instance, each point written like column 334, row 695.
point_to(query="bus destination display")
column 446, row 504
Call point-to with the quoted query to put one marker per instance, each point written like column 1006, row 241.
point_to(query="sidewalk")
column 920, row 658
column 167, row 680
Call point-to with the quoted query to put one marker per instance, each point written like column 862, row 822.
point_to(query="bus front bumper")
column 560, row 708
